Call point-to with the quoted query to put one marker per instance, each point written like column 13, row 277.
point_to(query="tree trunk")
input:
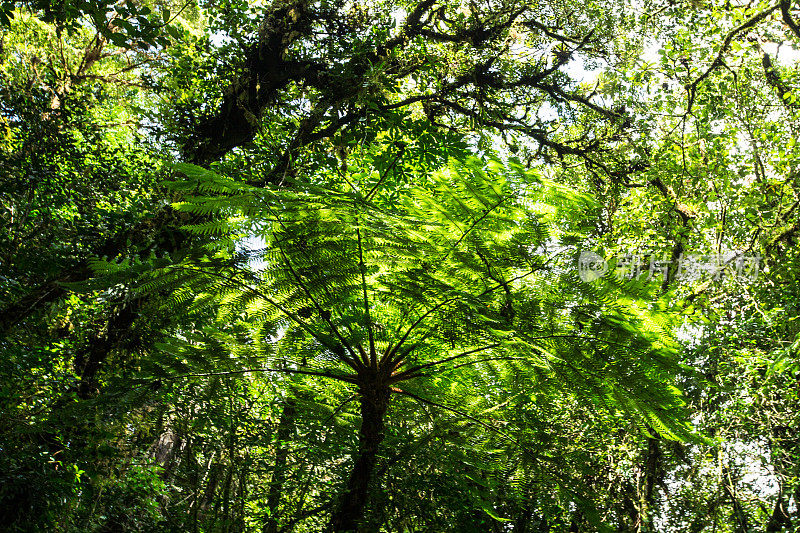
column 647, row 496
column 729, row 485
column 90, row 360
column 779, row 517
column 352, row 506
column 285, row 430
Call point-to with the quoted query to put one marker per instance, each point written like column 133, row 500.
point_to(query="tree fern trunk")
column 352, row 507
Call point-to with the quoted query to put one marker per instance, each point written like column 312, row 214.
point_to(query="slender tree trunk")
column 729, row 485
column 647, row 495
column 226, row 499
column 211, row 490
column 285, row 431
column 244, row 472
column 352, row 506
column 89, row 361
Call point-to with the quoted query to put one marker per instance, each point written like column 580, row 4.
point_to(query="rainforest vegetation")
column 399, row 265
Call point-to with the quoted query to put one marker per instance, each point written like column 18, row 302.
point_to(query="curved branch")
column 726, row 43
column 406, row 373
column 787, row 18
column 389, row 354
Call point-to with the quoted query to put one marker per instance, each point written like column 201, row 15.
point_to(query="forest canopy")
column 309, row 266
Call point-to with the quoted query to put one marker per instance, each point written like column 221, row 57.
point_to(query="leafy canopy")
column 461, row 268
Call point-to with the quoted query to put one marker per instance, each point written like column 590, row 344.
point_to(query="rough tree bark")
column 352, row 506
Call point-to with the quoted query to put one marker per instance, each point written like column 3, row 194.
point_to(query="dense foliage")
column 399, row 266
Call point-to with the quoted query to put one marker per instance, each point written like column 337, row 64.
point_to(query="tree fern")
column 458, row 294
